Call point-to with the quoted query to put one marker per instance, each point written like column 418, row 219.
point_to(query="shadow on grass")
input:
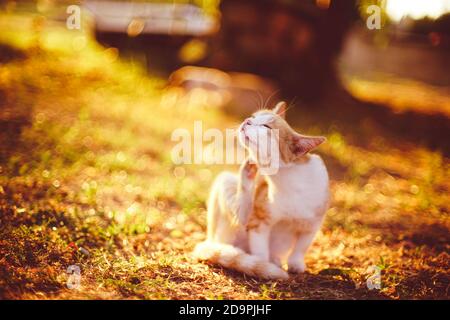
column 326, row 284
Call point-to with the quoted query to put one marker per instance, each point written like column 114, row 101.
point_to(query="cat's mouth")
column 248, row 137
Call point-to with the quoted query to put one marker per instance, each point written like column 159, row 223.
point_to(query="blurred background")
column 320, row 54
column 313, row 51
column 90, row 92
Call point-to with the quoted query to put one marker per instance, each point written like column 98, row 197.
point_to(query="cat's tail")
column 234, row 258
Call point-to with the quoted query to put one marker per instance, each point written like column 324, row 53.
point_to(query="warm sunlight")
column 417, row 9
column 214, row 152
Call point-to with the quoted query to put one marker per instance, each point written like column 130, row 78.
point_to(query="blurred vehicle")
column 158, row 29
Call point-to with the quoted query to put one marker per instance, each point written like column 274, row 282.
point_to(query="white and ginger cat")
column 256, row 223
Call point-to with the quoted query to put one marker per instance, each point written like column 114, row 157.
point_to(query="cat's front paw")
column 277, row 262
column 297, row 267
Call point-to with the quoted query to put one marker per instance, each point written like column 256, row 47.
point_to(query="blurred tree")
column 293, row 42
column 296, row 43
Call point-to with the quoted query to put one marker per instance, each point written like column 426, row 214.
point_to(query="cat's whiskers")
column 261, row 100
column 256, row 100
column 270, row 98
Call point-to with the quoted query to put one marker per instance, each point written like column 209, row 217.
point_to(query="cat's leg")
column 230, row 203
column 296, row 261
column 214, row 218
column 281, row 242
column 243, row 200
column 259, row 241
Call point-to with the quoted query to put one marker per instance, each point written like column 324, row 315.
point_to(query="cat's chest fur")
column 298, row 192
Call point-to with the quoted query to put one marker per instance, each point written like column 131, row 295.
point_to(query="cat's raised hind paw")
column 249, row 170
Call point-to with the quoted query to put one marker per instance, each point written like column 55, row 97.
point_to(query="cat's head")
column 265, row 125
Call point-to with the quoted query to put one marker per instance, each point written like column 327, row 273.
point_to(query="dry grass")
column 86, row 179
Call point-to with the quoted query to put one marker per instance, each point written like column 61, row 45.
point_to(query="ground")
column 87, row 179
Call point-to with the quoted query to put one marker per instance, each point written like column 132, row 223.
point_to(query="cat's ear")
column 301, row 144
column 280, row 109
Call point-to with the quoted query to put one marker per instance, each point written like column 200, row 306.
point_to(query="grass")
column 87, row 179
